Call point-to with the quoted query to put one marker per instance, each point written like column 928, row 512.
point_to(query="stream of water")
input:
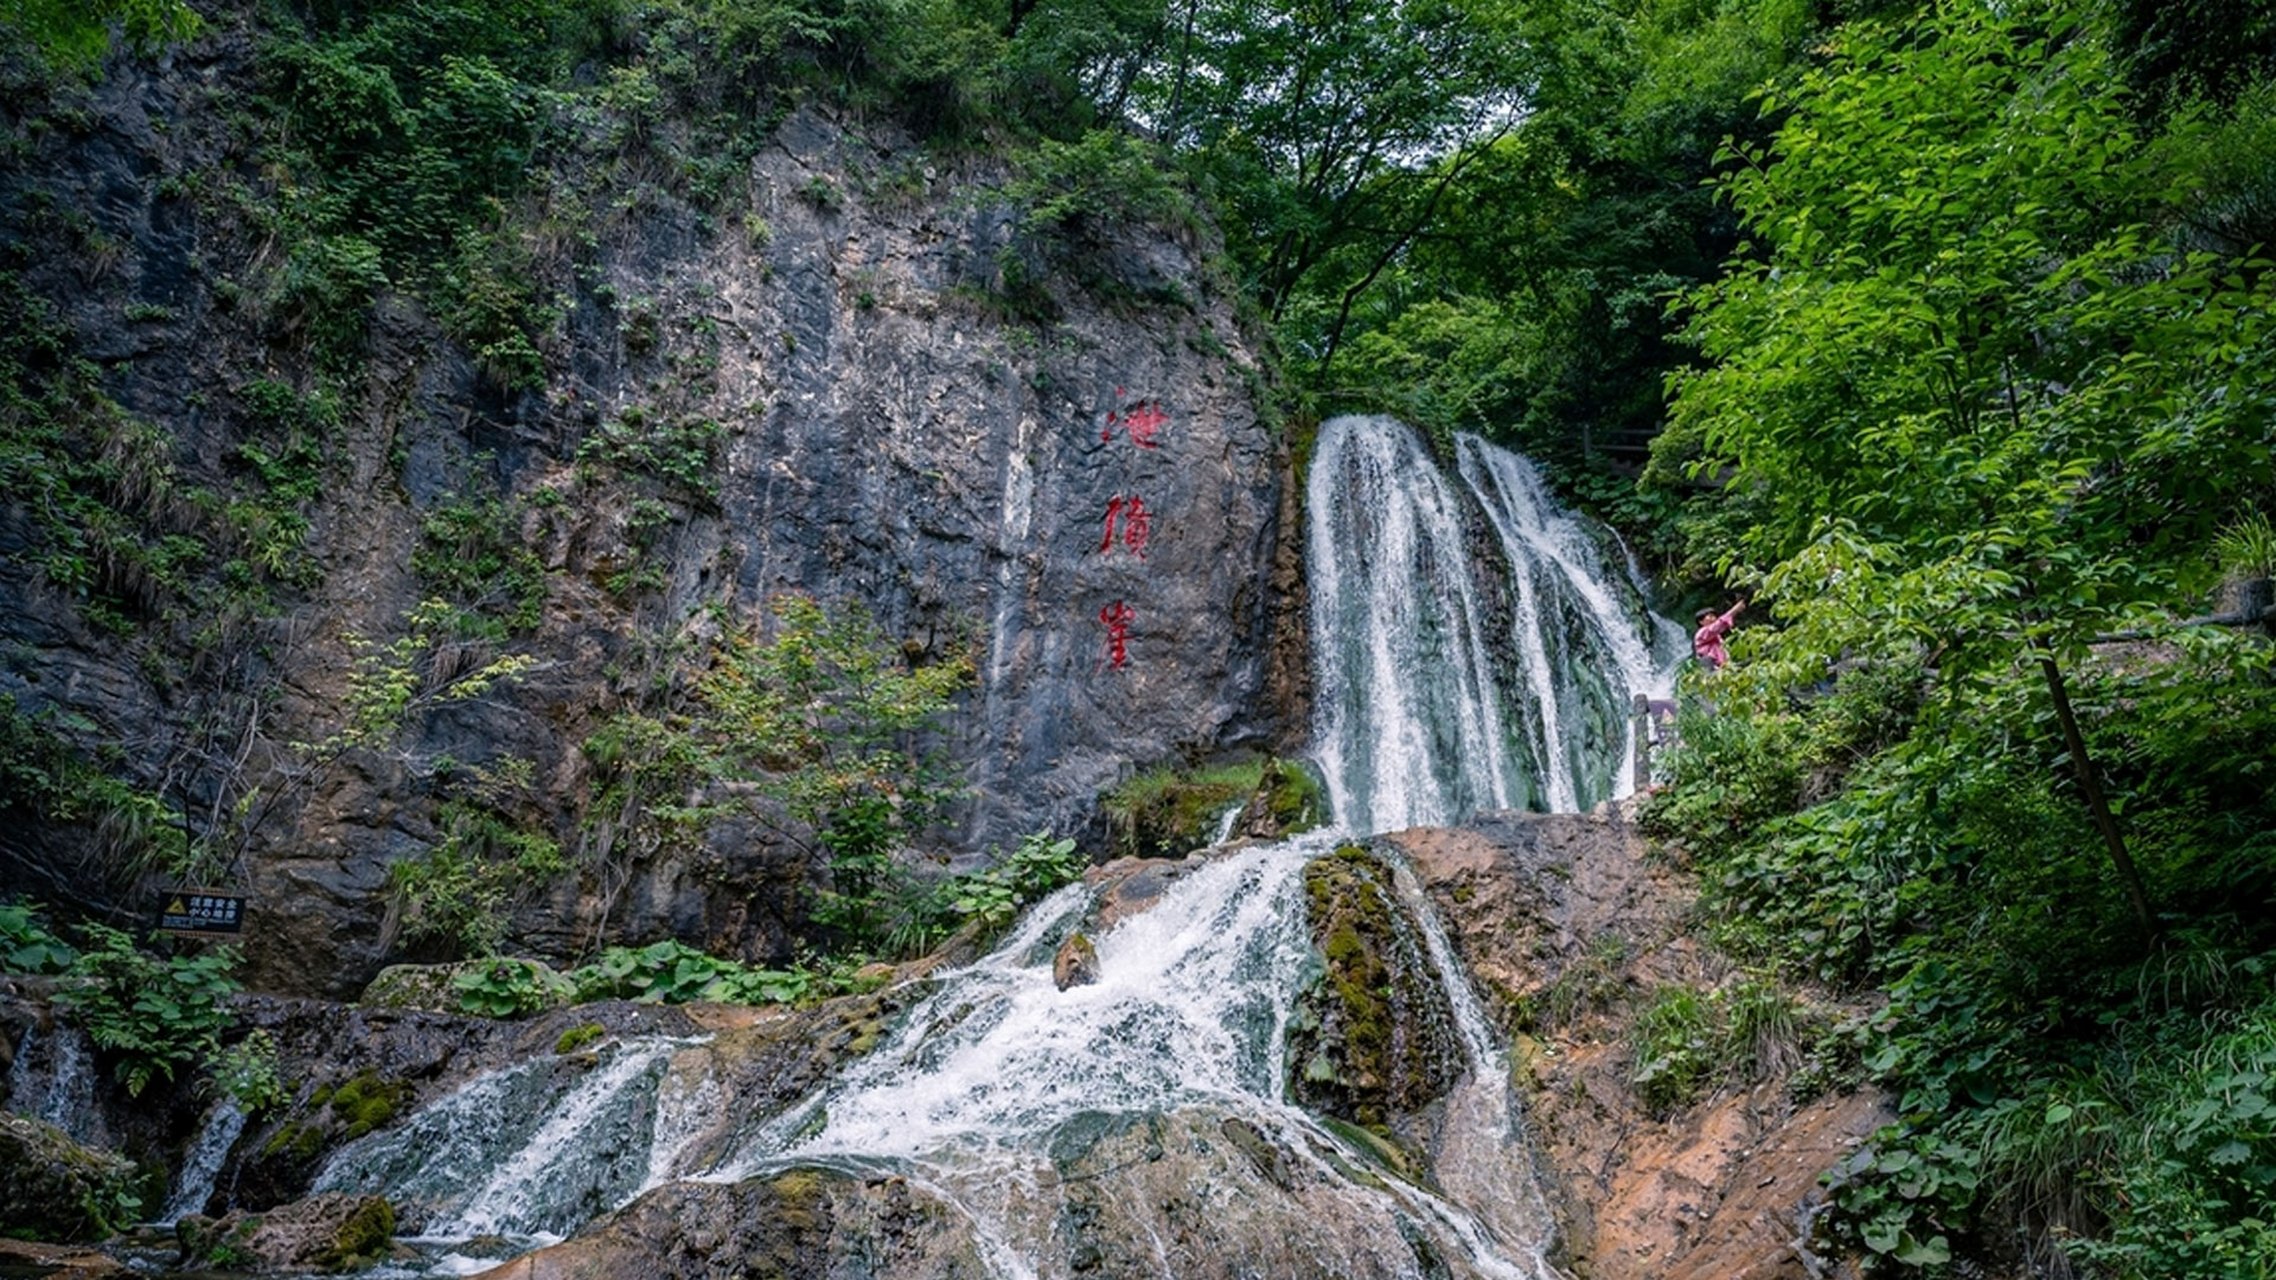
column 1472, row 651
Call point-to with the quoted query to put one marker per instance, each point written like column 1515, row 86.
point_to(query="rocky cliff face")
column 825, row 383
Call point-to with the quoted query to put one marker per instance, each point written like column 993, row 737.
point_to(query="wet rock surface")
column 59, row 1262
column 322, row 1233
column 56, row 1189
column 1564, row 921
column 1193, row 1195
column 800, row 1223
column 1076, row 964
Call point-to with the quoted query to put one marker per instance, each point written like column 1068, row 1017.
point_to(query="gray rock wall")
column 894, row 432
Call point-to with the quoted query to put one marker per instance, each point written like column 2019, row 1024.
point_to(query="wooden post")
column 1642, row 719
column 2090, row 786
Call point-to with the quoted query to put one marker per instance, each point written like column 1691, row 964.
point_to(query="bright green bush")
column 151, row 1016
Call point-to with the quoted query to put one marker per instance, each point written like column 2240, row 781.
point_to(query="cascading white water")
column 1427, row 711
column 534, row 1151
column 1586, row 652
column 1190, row 1014
column 1409, row 722
column 986, row 1082
column 194, row 1186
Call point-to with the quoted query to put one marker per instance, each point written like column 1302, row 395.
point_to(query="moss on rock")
column 56, row 1189
column 1373, row 1040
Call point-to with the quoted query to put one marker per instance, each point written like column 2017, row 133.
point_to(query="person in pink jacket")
column 1707, row 642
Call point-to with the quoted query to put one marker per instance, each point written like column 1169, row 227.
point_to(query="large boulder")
column 55, row 1189
column 331, row 1232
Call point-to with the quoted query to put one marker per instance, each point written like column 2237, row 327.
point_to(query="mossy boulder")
column 1170, row 812
column 530, row 985
column 413, row 986
column 331, row 1232
column 56, row 1189
column 1375, row 1038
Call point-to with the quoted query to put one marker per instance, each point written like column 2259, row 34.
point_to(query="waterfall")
column 53, row 1079
column 1473, row 651
column 532, row 1152
column 1410, row 725
column 194, row 1186
column 1586, row 650
column 1459, row 673
column 997, row 1071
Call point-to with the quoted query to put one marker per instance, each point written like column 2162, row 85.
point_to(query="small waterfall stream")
column 194, row 1186
column 1443, row 690
column 53, row 1079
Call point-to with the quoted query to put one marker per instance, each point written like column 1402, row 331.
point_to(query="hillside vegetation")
column 1946, row 332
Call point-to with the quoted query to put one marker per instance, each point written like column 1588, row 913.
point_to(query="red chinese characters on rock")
column 1117, row 618
column 1136, row 521
column 1140, row 420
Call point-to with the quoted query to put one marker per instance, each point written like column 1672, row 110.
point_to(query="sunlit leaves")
column 1970, row 347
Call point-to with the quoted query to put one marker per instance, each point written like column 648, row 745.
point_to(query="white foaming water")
column 194, row 1187
column 1410, row 728
column 534, row 1151
column 1187, row 1009
column 1189, row 1015
column 1586, row 653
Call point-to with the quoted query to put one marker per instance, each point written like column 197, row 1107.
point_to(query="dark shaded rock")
column 324, row 1233
column 1076, row 963
column 55, row 1189
column 59, row 1262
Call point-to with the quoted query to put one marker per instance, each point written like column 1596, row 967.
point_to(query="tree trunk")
column 2091, row 786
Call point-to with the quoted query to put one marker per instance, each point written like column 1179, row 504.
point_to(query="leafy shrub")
column 507, row 988
column 1106, row 176
column 471, row 551
column 1898, row 1197
column 249, row 1074
column 680, row 453
column 1675, row 1045
column 150, row 1015
column 459, row 891
column 324, row 293
column 1039, row 866
column 670, row 972
column 25, row 947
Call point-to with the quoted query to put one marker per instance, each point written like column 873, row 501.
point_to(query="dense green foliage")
column 75, row 34
column 1983, row 406
column 150, row 1015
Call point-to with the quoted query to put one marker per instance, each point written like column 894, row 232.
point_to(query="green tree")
column 826, row 716
column 1969, row 396
column 816, row 725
